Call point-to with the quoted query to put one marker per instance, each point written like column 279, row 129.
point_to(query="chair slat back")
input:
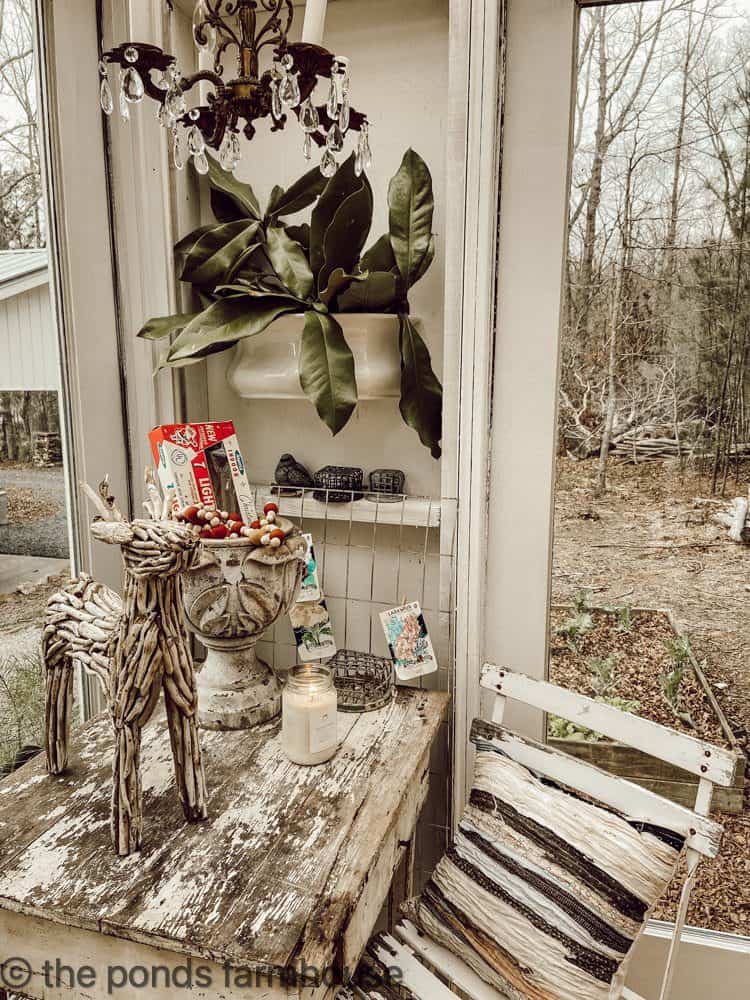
column 705, row 760
column 711, row 764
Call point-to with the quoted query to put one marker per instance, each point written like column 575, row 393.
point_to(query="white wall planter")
column 267, row 365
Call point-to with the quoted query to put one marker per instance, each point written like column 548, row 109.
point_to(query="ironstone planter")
column 236, row 592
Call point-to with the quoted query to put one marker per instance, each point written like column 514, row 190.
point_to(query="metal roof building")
column 28, row 343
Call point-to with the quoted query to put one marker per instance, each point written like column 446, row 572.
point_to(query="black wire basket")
column 387, row 484
column 338, row 484
column 363, row 682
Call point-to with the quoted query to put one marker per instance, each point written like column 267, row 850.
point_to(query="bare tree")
column 20, row 177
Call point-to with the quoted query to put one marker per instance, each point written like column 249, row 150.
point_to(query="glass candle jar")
column 308, row 715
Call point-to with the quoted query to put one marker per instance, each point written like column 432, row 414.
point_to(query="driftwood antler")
column 136, row 647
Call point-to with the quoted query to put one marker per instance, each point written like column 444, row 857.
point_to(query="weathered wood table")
column 290, row 870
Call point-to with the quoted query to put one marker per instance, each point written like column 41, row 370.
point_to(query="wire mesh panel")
column 373, row 555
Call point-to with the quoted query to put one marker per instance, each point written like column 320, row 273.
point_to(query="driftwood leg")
column 58, row 681
column 181, row 698
column 80, row 623
column 134, row 690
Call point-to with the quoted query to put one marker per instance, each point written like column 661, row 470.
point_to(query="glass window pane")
column 649, row 593
column 34, row 533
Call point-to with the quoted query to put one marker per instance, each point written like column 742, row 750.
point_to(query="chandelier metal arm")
column 234, row 106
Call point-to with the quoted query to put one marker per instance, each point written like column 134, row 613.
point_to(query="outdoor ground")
column 646, row 542
column 36, row 502
column 34, row 555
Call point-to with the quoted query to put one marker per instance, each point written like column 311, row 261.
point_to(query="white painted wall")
column 399, row 69
column 28, row 341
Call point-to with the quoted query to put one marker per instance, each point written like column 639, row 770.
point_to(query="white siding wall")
column 28, row 346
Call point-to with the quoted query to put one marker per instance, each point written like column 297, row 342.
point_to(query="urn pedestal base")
column 236, row 689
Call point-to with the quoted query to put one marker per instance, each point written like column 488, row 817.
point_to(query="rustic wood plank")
column 321, row 943
column 244, row 885
column 39, row 799
column 703, row 759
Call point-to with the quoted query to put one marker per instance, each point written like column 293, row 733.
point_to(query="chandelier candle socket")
column 236, row 103
column 308, row 721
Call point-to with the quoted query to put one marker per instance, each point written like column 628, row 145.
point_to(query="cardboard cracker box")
column 203, row 462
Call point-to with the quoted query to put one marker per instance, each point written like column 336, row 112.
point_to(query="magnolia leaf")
column 301, row 234
column 421, row 401
column 219, row 246
column 300, row 195
column 411, row 205
column 343, row 183
column 163, row 326
column 380, row 256
column 326, row 370
column 246, row 263
column 374, row 292
column 338, row 282
column 425, row 262
column 276, row 192
column 230, row 198
column 225, row 322
column 290, row 263
column 258, row 290
column 346, row 234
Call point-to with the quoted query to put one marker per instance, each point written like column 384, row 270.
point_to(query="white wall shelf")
column 407, row 511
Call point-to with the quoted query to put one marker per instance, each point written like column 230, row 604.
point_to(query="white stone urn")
column 267, row 365
column 235, row 592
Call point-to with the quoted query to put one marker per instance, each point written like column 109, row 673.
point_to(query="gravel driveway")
column 43, row 536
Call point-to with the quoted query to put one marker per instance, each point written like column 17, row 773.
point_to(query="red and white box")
column 203, row 462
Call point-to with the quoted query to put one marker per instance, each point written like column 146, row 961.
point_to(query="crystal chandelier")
column 235, row 105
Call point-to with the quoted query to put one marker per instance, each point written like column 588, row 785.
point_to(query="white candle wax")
column 315, row 21
column 308, row 716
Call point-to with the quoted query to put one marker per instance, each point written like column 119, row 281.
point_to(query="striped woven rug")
column 544, row 893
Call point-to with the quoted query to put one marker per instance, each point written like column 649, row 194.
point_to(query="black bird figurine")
column 290, row 473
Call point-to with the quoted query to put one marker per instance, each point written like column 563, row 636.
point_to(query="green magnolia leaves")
column 374, row 292
column 290, row 263
column 421, row 401
column 346, row 234
column 250, row 267
column 206, row 260
column 299, row 196
column 164, row 326
column 411, row 206
column 230, row 198
column 225, row 322
column 344, row 187
column 326, row 371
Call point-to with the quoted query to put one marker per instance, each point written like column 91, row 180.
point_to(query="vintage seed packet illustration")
column 409, row 641
column 310, row 587
column 313, row 631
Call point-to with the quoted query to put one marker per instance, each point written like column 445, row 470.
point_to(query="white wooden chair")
column 413, row 952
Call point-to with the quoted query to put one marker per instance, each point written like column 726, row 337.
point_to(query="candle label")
column 323, row 729
column 313, row 631
column 310, row 587
column 409, row 641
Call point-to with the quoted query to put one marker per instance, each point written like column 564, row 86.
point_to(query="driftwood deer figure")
column 136, row 647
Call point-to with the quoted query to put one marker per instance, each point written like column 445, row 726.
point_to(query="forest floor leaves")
column 649, row 542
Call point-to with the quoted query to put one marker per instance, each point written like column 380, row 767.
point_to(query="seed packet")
column 310, row 588
column 313, row 631
column 409, row 641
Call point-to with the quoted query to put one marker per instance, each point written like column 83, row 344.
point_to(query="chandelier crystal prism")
column 242, row 29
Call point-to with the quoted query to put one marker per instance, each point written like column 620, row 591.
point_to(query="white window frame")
column 92, row 375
